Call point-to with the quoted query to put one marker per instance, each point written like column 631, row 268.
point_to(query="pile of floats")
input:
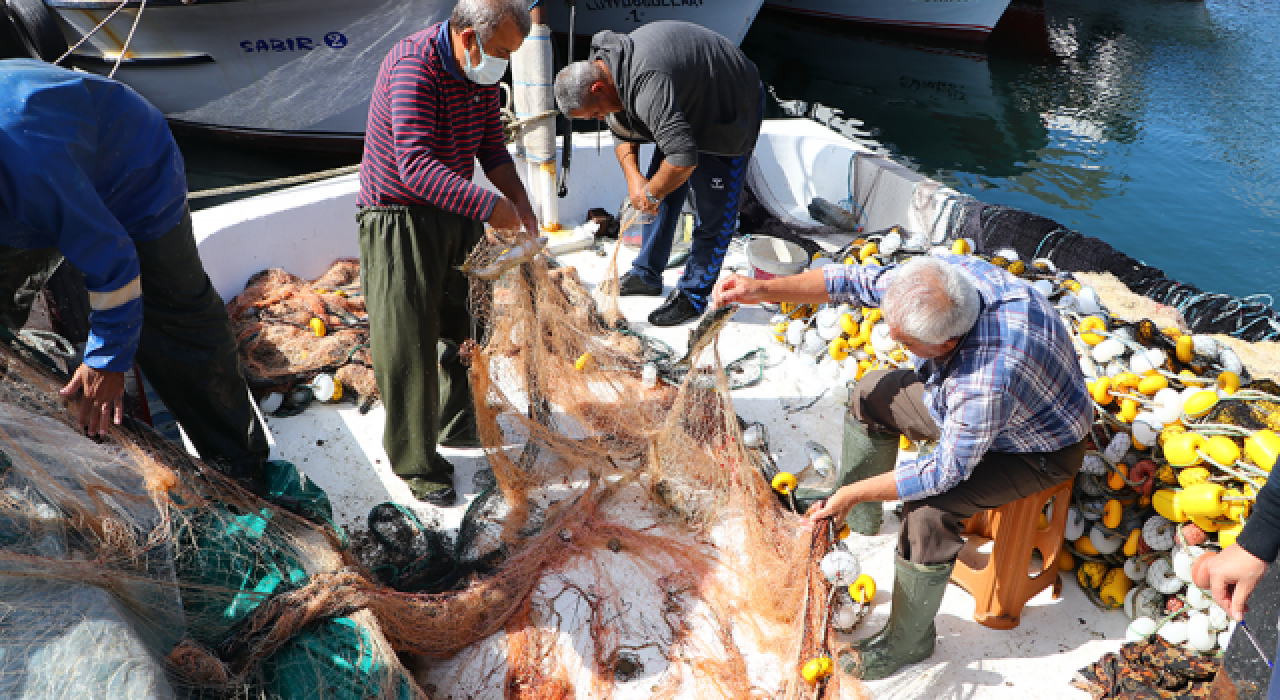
column 1181, row 443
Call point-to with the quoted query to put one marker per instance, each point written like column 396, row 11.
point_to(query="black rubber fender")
column 36, row 28
column 11, row 45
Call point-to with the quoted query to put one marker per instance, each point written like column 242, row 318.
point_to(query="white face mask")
column 490, row 69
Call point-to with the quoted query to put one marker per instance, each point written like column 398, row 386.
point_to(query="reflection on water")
column 1149, row 123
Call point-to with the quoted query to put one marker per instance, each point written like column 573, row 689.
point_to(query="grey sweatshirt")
column 684, row 87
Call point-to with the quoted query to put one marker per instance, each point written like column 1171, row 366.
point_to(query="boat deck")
column 341, row 450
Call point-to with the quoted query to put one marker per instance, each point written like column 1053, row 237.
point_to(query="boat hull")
column 297, row 73
column 970, row 20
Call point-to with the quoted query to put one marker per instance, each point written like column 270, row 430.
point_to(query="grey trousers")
column 892, row 401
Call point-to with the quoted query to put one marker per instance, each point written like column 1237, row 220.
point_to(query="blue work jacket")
column 88, row 166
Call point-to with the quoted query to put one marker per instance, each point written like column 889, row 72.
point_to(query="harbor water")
column 1152, row 124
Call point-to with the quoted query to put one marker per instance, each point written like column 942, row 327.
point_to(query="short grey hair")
column 573, row 85
column 931, row 301
column 487, row 15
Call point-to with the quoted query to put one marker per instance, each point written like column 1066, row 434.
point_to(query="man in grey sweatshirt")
column 698, row 98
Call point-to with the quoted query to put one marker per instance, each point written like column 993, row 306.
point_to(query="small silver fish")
column 712, row 322
column 510, row 257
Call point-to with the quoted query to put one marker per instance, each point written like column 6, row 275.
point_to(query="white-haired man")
column 434, row 112
column 999, row 387
column 698, row 98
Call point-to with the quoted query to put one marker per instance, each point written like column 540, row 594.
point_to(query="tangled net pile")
column 621, row 494
column 275, row 325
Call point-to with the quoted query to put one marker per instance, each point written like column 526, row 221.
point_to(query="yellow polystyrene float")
column 583, row 362
column 873, row 315
column 1170, row 431
column 1166, row 503
column 1183, row 449
column 1126, row 381
column 1132, row 542
column 863, row 589
column 1184, row 349
column 817, row 669
column 1091, row 573
column 1227, row 535
column 1228, row 382
column 1017, row 267
column 1238, row 505
column 961, row 247
column 1099, row 389
column 1152, row 383
column 1112, row 514
column 848, row 324
column 318, row 327
column 1092, row 323
column 844, row 532
column 1116, row 477
column 839, row 349
column 1115, row 586
column 867, row 251
column 1222, row 449
column 1084, row 545
column 1204, row 500
column 1066, row 562
column 1199, row 403
column 784, row 483
column 1262, row 448
column 1193, row 475
column 1128, row 410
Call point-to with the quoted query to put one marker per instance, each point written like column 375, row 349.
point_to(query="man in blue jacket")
column 90, row 172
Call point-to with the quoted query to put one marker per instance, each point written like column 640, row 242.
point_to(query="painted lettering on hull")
column 334, row 40
column 633, row 10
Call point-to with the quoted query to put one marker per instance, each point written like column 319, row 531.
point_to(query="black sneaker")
column 433, row 492
column 675, row 310
column 634, row 285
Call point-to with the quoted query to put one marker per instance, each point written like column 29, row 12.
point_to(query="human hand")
column 836, row 507
column 504, row 216
column 1230, row 576
column 529, row 220
column 636, row 193
column 735, row 288
column 102, row 402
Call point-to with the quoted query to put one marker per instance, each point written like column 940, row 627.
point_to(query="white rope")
column 93, row 31
column 124, row 49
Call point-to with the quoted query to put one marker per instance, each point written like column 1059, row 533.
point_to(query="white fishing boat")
column 294, row 72
column 305, row 228
column 732, row 18
column 970, row 20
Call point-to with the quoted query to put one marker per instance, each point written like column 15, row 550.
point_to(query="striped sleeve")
column 493, row 152
column 415, row 114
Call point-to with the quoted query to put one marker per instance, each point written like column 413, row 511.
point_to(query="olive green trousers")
column 417, row 304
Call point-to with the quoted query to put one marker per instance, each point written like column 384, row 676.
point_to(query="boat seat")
column 1004, row 578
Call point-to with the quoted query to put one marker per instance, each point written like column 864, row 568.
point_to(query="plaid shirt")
column 1013, row 384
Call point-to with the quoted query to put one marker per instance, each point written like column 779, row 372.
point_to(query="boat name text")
column 623, row 4
column 334, row 40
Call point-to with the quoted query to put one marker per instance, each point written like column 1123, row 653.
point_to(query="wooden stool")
column 1002, row 581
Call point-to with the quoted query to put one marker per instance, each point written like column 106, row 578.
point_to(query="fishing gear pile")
column 292, row 331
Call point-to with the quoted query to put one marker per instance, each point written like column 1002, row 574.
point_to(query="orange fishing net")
column 275, row 321
column 629, row 536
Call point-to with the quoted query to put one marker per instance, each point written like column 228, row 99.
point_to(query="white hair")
column 573, row 85
column 487, row 15
column 931, row 301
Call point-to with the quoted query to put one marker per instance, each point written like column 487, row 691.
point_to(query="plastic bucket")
column 773, row 257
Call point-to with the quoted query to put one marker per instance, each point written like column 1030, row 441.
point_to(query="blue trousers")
column 717, row 185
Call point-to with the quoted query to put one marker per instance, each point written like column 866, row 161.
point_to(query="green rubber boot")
column 866, row 454
column 910, row 634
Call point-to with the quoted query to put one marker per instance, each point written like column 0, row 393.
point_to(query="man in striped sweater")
column 434, row 112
